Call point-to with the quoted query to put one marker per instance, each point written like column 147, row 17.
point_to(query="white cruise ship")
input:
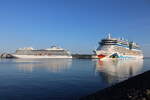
column 117, row 48
column 53, row 52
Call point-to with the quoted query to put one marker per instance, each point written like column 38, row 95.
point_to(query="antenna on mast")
column 109, row 36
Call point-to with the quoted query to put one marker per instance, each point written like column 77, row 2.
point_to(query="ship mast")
column 109, row 36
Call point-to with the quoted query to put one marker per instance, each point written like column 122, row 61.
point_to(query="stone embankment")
column 135, row 88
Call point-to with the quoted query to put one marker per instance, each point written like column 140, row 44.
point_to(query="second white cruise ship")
column 53, row 52
column 118, row 48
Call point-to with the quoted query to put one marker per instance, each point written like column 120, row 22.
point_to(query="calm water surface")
column 62, row 79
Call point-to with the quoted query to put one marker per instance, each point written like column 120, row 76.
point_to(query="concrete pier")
column 6, row 55
column 83, row 56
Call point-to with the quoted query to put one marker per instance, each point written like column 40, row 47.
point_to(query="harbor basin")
column 62, row 79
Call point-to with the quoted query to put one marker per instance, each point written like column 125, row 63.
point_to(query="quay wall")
column 135, row 88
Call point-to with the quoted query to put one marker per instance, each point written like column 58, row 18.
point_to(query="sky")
column 76, row 25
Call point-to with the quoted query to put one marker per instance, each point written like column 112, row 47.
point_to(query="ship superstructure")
column 118, row 48
column 53, row 52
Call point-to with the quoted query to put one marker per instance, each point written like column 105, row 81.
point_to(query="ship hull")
column 121, row 57
column 39, row 57
column 115, row 52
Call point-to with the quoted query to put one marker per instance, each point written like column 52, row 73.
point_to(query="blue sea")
column 62, row 79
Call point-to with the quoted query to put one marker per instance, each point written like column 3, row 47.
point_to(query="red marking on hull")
column 101, row 56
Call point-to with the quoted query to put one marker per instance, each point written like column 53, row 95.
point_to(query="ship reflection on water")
column 62, row 79
column 113, row 71
column 52, row 65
